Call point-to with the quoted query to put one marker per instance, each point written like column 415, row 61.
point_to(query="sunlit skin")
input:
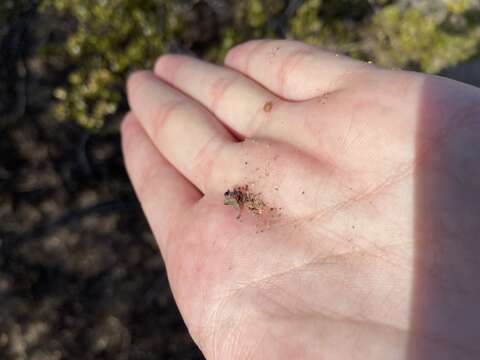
column 372, row 250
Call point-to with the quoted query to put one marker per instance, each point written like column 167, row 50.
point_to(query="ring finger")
column 186, row 134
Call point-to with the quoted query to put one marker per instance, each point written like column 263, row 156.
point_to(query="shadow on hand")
column 445, row 317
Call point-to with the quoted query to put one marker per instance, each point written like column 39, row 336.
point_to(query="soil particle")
column 268, row 106
column 241, row 197
column 323, row 99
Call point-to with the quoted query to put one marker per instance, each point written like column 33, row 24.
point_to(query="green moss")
column 459, row 6
column 423, row 41
column 331, row 32
column 113, row 37
column 307, row 24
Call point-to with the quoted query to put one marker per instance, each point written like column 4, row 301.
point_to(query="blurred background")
column 80, row 274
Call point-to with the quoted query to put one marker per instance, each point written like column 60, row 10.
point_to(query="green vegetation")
column 113, row 37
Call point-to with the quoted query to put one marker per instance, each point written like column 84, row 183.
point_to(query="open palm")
column 358, row 237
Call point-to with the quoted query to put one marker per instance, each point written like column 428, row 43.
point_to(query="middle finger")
column 239, row 102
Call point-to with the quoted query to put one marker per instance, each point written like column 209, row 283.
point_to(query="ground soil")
column 80, row 274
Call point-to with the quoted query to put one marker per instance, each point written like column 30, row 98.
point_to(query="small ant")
column 240, row 197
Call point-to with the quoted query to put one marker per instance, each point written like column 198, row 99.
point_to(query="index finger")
column 293, row 70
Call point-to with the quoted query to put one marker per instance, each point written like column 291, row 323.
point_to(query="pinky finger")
column 163, row 192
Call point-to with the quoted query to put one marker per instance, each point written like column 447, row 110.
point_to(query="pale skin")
column 373, row 253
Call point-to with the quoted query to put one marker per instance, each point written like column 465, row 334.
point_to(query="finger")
column 293, row 70
column 163, row 192
column 187, row 135
column 235, row 99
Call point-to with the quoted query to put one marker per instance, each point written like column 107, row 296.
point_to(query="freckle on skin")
column 268, row 106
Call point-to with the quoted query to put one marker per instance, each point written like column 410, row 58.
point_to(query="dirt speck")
column 240, row 197
column 268, row 106
column 272, row 53
column 323, row 99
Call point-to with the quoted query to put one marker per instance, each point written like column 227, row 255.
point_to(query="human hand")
column 362, row 240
